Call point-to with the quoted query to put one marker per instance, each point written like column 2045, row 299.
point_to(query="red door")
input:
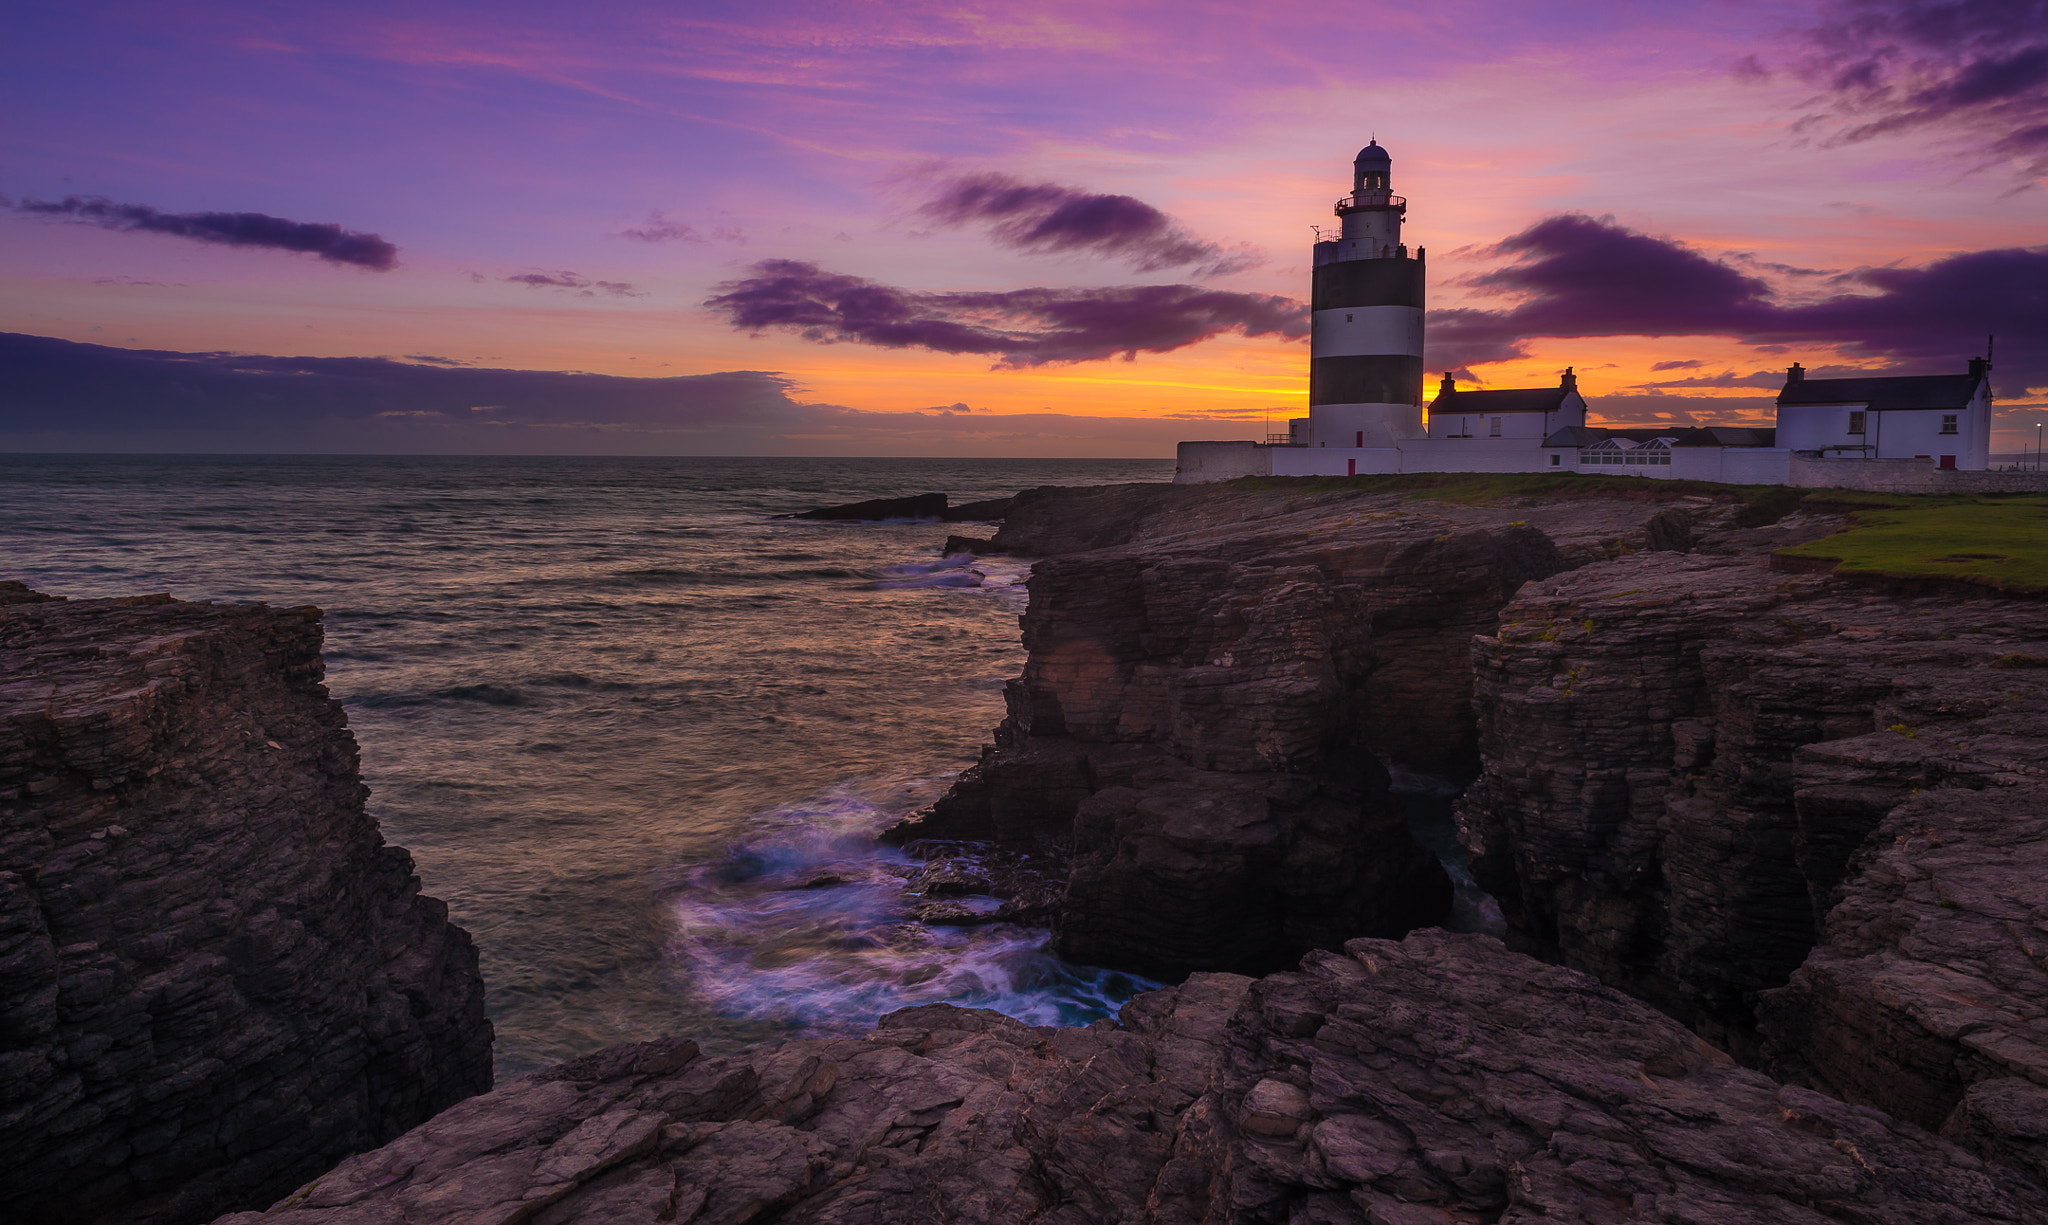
column 1350, row 467
column 1361, row 438
column 1948, row 461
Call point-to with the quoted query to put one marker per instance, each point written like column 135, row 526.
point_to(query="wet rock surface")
column 215, row 977
column 1436, row 1079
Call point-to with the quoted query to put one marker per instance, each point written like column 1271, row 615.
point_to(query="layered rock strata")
column 1725, row 789
column 1217, row 682
column 1928, row 993
column 215, row 977
column 1437, row 1079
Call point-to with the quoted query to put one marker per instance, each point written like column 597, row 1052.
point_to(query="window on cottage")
column 1856, row 421
column 1493, row 431
column 1556, row 461
column 1948, row 423
column 1347, row 318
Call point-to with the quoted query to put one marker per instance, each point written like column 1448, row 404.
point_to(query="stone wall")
column 1198, row 462
column 215, row 977
column 1908, row 476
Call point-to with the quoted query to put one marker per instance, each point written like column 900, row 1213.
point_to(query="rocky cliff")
column 1796, row 813
column 1218, row 682
column 1804, row 816
column 215, row 978
column 1429, row 1081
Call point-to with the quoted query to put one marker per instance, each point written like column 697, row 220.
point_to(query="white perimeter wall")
column 1198, row 462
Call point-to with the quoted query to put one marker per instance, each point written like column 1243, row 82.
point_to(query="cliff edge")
column 215, row 978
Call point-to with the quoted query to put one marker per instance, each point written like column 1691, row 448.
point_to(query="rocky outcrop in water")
column 912, row 506
column 1217, row 682
column 1437, row 1079
column 1725, row 790
column 215, row 978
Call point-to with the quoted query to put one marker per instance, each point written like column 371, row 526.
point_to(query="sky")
column 967, row 228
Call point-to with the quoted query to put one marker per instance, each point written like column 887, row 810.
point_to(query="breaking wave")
column 807, row 923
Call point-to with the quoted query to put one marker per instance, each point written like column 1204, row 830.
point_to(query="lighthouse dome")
column 1372, row 153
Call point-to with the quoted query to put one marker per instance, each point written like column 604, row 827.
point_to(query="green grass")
column 1996, row 542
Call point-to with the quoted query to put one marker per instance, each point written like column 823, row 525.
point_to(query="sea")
column 638, row 732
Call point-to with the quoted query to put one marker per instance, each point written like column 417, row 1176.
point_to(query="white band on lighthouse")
column 1357, row 331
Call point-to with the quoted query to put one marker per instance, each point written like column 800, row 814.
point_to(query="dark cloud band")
column 329, row 242
column 1585, row 276
column 57, row 395
column 1047, row 218
column 1019, row 327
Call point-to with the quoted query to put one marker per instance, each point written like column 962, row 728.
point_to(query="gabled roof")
column 1950, row 391
column 1508, row 400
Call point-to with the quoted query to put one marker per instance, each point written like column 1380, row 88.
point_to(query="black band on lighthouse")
column 1368, row 282
column 1382, row 379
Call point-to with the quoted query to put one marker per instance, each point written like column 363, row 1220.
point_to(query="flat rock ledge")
column 1436, row 1079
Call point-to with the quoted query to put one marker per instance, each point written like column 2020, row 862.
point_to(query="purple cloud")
column 1046, row 218
column 1020, row 327
column 1585, row 276
column 660, row 227
column 581, row 286
column 329, row 242
column 1892, row 65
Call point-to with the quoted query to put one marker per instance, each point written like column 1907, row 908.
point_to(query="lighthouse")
column 1365, row 343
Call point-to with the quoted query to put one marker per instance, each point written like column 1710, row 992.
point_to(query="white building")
column 1943, row 419
column 1366, row 414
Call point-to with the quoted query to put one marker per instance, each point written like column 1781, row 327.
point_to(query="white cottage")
column 1942, row 419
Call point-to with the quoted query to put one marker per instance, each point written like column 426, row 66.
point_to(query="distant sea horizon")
column 637, row 732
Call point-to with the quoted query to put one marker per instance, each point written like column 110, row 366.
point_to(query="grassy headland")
column 1999, row 541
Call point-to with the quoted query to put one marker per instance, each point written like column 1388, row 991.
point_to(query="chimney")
column 1447, row 387
column 1797, row 374
column 1570, row 382
column 1979, row 367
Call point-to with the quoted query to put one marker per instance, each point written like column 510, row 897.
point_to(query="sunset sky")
column 981, row 229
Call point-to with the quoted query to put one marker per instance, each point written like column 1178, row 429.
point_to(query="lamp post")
column 2037, row 445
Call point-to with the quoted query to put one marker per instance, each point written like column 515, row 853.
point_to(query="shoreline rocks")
column 1749, row 822
column 215, row 977
column 1435, row 1079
